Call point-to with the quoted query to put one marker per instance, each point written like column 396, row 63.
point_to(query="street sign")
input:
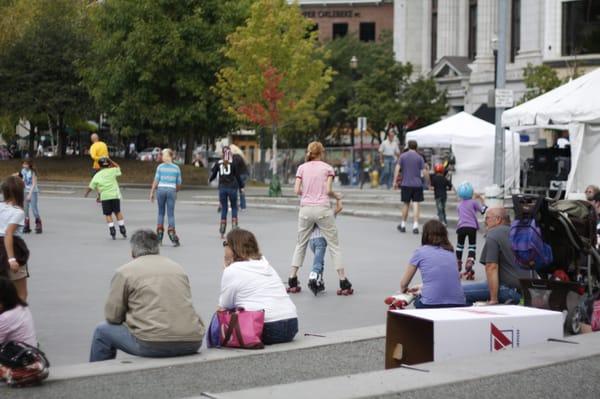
column 504, row 98
column 362, row 124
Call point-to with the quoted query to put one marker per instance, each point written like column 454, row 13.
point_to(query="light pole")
column 494, row 43
column 353, row 67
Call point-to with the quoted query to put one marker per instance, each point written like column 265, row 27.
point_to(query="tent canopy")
column 472, row 141
column 573, row 105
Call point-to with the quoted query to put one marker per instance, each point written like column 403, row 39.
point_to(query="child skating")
column 229, row 184
column 468, row 210
column 440, row 185
column 318, row 246
column 105, row 182
column 30, row 178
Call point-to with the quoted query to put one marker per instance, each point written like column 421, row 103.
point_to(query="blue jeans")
column 440, row 205
column 33, row 205
column 420, row 305
column 165, row 197
column 110, row 337
column 278, row 332
column 387, row 175
column 231, row 195
column 318, row 246
column 477, row 292
column 243, row 178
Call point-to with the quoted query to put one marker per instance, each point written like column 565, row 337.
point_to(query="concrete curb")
column 132, row 364
column 428, row 375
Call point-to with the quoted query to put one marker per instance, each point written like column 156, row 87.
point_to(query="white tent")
column 573, row 106
column 472, row 142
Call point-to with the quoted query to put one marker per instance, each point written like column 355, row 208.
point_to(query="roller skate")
column 113, row 232
column 399, row 301
column 222, row 228
column 123, row 231
column 469, row 273
column 401, row 229
column 26, row 228
column 173, row 237
column 160, row 233
column 316, row 283
column 234, row 223
column 293, row 287
column 38, row 226
column 415, row 230
column 345, row 288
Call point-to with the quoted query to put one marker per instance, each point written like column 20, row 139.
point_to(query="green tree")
column 153, row 62
column 276, row 70
column 539, row 80
column 38, row 64
column 381, row 89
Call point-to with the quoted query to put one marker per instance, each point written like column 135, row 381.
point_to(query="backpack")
column 22, row 365
column 527, row 244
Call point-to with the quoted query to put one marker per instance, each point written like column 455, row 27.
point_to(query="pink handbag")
column 241, row 329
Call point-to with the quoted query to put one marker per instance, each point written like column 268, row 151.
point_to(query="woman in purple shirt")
column 16, row 323
column 435, row 260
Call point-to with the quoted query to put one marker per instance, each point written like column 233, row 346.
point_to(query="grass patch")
column 79, row 170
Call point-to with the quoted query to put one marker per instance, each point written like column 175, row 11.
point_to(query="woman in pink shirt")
column 314, row 180
column 16, row 322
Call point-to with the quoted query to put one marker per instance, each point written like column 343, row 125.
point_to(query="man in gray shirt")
column 501, row 268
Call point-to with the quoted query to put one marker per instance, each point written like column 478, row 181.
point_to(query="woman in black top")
column 229, row 184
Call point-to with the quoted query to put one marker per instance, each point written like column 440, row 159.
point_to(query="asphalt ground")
column 73, row 261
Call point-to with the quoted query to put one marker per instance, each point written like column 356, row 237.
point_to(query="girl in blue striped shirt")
column 167, row 183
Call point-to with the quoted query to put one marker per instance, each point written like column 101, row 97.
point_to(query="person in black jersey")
column 229, row 184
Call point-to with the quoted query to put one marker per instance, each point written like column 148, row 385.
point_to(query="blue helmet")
column 465, row 191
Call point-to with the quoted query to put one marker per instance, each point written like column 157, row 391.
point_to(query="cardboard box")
column 423, row 335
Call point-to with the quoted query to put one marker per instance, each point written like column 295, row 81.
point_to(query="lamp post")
column 494, row 43
column 353, row 67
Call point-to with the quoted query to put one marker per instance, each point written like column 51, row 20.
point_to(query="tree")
column 276, row 70
column 381, row 89
column 38, row 64
column 153, row 62
column 539, row 80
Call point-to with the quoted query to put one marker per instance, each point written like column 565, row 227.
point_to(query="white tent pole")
column 501, row 80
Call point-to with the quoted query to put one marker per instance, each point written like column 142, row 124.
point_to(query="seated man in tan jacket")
column 149, row 310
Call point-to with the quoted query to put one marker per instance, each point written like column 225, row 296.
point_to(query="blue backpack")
column 527, row 244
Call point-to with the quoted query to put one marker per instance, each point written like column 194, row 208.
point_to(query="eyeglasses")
column 225, row 244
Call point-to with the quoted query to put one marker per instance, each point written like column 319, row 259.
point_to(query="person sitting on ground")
column 591, row 191
column 250, row 282
column 501, row 268
column 435, row 260
column 149, row 310
column 16, row 322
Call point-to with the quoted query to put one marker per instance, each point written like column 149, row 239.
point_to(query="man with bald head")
column 501, row 268
column 97, row 150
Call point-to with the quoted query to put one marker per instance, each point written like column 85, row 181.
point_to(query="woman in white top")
column 251, row 283
column 12, row 220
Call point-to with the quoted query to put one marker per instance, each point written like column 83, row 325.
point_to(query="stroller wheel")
column 573, row 320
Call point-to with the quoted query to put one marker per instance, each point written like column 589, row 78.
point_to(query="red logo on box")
column 499, row 339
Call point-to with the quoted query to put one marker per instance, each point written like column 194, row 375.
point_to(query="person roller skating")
column 467, row 227
column 229, row 184
column 30, row 177
column 105, row 182
column 166, row 185
column 314, row 184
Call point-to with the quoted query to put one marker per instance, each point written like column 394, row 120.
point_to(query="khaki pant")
column 323, row 217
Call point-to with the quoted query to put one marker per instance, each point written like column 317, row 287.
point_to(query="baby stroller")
column 570, row 280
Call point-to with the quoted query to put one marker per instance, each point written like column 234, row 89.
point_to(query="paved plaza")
column 73, row 261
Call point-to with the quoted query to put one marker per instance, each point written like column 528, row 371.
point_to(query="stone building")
column 454, row 41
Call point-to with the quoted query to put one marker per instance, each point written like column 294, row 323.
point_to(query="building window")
column 340, row 30
column 434, row 21
column 515, row 29
column 472, row 50
column 580, row 27
column 367, row 32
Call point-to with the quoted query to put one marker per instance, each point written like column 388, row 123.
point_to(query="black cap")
column 104, row 162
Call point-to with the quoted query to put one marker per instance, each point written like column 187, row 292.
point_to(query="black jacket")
column 21, row 254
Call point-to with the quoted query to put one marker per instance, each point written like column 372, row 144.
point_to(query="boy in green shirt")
column 105, row 182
